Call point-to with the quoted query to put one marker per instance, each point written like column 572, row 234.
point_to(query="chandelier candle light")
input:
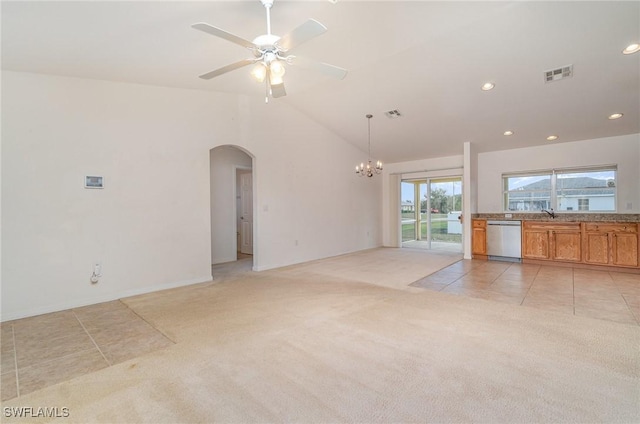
column 368, row 170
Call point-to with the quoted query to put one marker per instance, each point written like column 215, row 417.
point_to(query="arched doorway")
column 232, row 199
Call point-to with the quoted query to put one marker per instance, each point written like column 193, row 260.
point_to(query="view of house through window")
column 581, row 190
column 527, row 192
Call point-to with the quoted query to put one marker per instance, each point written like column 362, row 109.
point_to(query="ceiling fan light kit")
column 270, row 53
column 259, row 72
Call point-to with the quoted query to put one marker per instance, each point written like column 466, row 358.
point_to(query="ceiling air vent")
column 392, row 114
column 558, row 74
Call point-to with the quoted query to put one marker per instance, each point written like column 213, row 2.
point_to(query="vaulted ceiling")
column 426, row 59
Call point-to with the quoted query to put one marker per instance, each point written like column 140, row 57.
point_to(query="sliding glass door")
column 445, row 206
column 430, row 211
column 415, row 231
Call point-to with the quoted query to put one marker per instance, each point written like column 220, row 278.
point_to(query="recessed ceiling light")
column 552, row 137
column 508, row 132
column 488, row 86
column 615, row 116
column 631, row 48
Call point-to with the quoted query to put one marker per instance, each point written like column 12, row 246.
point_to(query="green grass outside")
column 438, row 232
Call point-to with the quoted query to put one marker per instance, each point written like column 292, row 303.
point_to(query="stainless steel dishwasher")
column 504, row 240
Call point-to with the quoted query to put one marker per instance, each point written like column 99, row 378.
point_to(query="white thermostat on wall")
column 93, row 182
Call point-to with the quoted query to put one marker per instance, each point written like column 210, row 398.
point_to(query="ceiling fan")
column 270, row 53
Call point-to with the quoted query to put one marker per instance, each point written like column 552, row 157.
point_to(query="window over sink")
column 563, row 190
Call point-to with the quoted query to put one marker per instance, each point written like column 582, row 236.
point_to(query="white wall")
column 309, row 203
column 622, row 151
column 224, row 162
column 150, row 225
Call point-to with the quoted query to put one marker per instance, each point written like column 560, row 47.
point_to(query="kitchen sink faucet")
column 549, row 212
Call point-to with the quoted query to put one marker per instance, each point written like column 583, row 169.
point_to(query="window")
column 592, row 190
column 586, row 190
column 527, row 192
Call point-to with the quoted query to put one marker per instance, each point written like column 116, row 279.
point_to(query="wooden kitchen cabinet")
column 555, row 241
column 535, row 241
column 479, row 237
column 611, row 244
column 567, row 244
column 624, row 250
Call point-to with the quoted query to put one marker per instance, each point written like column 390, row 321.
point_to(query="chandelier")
column 369, row 169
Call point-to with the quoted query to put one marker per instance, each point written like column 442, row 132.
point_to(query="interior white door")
column 246, row 217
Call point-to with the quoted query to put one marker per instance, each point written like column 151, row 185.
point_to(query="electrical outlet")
column 97, row 272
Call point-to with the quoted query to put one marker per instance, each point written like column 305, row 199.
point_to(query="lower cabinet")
column 535, row 241
column 479, row 237
column 552, row 241
column 567, row 244
column 592, row 243
column 611, row 244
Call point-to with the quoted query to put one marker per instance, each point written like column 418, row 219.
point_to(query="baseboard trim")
column 582, row 266
column 101, row 299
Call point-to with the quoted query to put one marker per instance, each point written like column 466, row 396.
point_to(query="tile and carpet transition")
column 357, row 338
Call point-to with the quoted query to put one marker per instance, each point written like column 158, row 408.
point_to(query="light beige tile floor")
column 47, row 349
column 607, row 295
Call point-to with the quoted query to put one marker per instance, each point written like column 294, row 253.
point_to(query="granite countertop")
column 561, row 217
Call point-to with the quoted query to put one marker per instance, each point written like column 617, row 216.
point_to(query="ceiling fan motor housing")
column 266, row 42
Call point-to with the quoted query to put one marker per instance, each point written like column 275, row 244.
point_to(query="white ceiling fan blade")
column 227, row 68
column 305, row 32
column 277, row 90
column 201, row 26
column 323, row 68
